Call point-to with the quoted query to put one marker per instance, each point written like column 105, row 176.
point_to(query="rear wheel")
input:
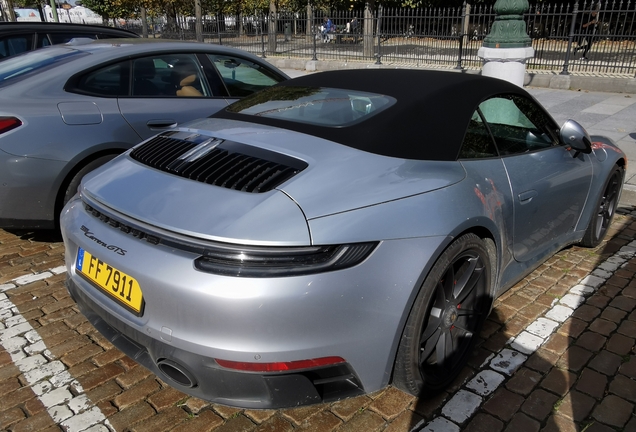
column 446, row 318
column 75, row 181
column 604, row 210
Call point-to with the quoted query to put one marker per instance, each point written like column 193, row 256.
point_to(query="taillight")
column 8, row 123
column 280, row 366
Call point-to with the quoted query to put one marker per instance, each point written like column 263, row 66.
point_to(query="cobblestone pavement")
column 556, row 354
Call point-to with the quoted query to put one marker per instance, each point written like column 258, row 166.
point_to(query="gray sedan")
column 332, row 234
column 67, row 109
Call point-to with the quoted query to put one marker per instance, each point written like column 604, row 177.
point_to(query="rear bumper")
column 205, row 379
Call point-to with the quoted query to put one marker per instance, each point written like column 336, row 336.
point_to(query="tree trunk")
column 271, row 28
column 198, row 24
column 144, row 23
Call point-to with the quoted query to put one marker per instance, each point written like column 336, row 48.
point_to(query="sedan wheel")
column 605, row 208
column 446, row 318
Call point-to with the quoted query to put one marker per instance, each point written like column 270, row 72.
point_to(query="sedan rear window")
column 329, row 107
column 21, row 66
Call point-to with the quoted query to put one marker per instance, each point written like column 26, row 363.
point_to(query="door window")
column 518, row 125
column 13, row 45
column 242, row 77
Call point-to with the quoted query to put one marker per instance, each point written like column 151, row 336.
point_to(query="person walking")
column 588, row 30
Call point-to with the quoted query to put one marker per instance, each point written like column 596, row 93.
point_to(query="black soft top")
column 427, row 122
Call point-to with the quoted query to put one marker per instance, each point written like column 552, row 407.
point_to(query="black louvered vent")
column 217, row 162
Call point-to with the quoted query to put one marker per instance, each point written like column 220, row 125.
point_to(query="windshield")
column 30, row 63
column 319, row 106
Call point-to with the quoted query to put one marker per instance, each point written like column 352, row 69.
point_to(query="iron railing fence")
column 447, row 37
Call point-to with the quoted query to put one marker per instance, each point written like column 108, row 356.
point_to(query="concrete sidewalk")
column 609, row 114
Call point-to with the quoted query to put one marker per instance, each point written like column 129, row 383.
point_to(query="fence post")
column 575, row 11
column 461, row 38
column 262, row 35
column 377, row 31
column 313, row 36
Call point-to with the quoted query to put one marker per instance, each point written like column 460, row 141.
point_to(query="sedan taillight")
column 8, row 123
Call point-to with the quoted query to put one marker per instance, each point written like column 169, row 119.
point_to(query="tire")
column 446, row 318
column 75, row 181
column 604, row 210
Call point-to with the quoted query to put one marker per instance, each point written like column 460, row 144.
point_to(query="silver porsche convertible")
column 331, row 234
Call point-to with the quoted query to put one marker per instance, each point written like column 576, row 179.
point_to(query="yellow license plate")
column 120, row 286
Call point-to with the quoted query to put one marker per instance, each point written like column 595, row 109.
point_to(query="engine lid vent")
column 217, row 162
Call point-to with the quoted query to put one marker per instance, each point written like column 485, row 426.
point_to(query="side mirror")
column 573, row 135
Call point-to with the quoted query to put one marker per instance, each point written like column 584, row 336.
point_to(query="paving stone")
column 522, row 423
column 542, row 360
column 391, row 403
column 461, row 406
column 613, row 314
column 298, row 415
column 591, row 341
column 558, row 343
column 606, row 362
column 613, row 411
column 82, row 421
column 323, row 421
column 598, row 300
column 592, row 383
column 132, row 376
column 558, row 381
column 504, row 404
column 485, row 382
column 484, row 423
column 623, row 387
column 38, row 422
column 427, row 406
column 99, row 376
column 195, row 405
column 559, row 313
column 624, row 303
column 628, row 368
column 603, row 326
column 208, row 421
column 257, row 416
column 627, row 328
column 526, row 343
column 166, row 398
column 136, row 393
column 523, row 381
column 347, row 408
column 407, row 421
column 539, row 404
column 228, row 412
column 10, row 417
column 557, row 423
column 131, row 415
column 542, row 327
column 168, row 419
column 507, row 361
column 574, row 358
column 440, row 424
column 620, row 344
column 576, row 406
column 363, row 422
column 572, row 300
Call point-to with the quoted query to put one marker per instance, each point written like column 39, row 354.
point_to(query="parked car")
column 333, row 233
column 64, row 110
column 19, row 37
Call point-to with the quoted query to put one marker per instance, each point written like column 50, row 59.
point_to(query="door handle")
column 161, row 124
column 526, row 197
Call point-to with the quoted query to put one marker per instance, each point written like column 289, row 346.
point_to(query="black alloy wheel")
column 605, row 209
column 446, row 318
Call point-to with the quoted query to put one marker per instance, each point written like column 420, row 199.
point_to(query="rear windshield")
column 329, row 107
column 21, row 66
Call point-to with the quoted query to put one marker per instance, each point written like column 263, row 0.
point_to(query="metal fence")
column 439, row 37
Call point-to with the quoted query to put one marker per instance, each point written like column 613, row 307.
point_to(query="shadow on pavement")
column 46, row 236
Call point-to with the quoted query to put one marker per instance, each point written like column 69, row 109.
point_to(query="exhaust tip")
column 176, row 372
